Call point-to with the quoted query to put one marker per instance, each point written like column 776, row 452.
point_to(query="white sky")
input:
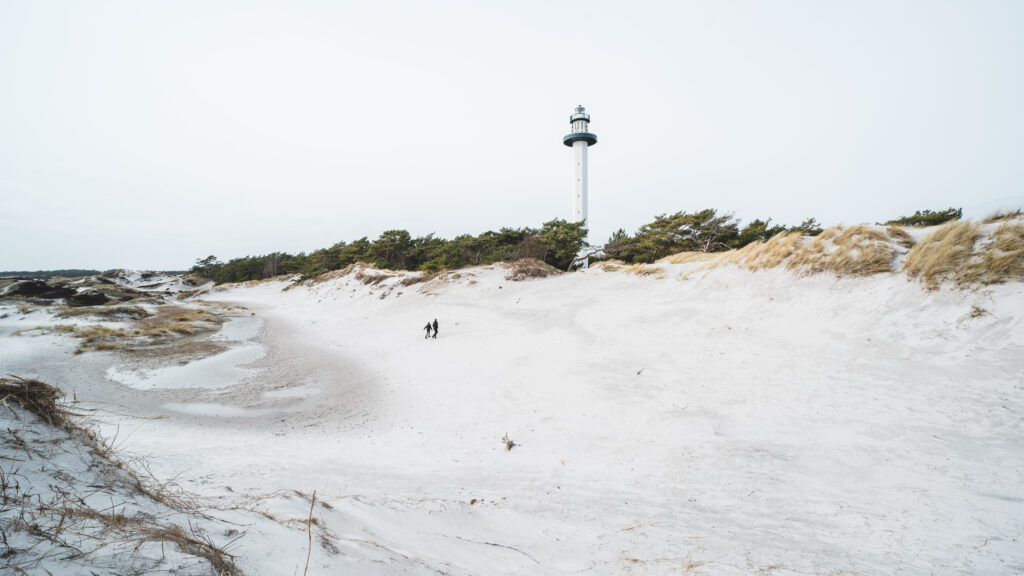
column 148, row 134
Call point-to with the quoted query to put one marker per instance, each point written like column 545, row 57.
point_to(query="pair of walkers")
column 429, row 327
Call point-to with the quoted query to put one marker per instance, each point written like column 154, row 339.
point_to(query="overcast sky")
column 149, row 134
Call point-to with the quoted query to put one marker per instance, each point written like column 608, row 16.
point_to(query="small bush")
column 526, row 268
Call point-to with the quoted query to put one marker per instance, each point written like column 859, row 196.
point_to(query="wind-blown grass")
column 945, row 254
column 854, row 251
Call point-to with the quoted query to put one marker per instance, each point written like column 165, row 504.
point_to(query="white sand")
column 732, row 423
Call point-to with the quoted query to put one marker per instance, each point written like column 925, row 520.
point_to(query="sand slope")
column 727, row 423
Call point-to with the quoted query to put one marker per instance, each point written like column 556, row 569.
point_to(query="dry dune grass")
column 900, row 236
column 945, row 254
column 526, row 268
column 754, row 256
column 65, row 520
column 609, row 265
column 645, row 270
column 170, row 320
column 332, row 275
column 1003, row 215
column 93, row 337
column 854, row 251
column 168, row 323
column 954, row 252
column 1003, row 258
column 688, row 257
column 38, row 398
column 417, row 278
column 761, row 255
column 108, row 312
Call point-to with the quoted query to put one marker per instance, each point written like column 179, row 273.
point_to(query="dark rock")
column 88, row 298
column 39, row 289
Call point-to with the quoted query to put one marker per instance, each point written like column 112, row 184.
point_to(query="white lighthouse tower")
column 579, row 139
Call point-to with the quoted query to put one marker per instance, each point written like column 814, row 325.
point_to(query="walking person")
column 435, row 327
column 427, row 328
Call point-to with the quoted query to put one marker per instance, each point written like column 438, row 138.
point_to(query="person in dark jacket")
column 435, row 327
column 427, row 328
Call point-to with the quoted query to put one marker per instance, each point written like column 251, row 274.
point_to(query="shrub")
column 927, row 218
column 526, row 268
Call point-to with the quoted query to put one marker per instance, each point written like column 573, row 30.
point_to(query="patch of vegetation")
column 167, row 323
column 924, row 218
column 45, row 274
column 900, row 236
column 645, row 270
column 104, row 312
column 1002, row 258
column 556, row 243
column 61, row 518
column 945, row 254
column 853, row 251
column 526, row 268
column 1003, row 215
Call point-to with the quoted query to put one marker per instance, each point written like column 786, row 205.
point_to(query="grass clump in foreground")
column 57, row 520
column 38, row 398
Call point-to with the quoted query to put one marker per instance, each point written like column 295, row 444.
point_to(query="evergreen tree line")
column 556, row 243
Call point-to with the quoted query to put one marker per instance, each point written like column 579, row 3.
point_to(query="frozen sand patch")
column 216, row 372
column 215, row 410
column 239, row 329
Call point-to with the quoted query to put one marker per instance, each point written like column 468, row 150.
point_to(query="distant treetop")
column 927, row 218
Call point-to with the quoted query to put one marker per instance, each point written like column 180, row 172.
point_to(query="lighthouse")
column 579, row 139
